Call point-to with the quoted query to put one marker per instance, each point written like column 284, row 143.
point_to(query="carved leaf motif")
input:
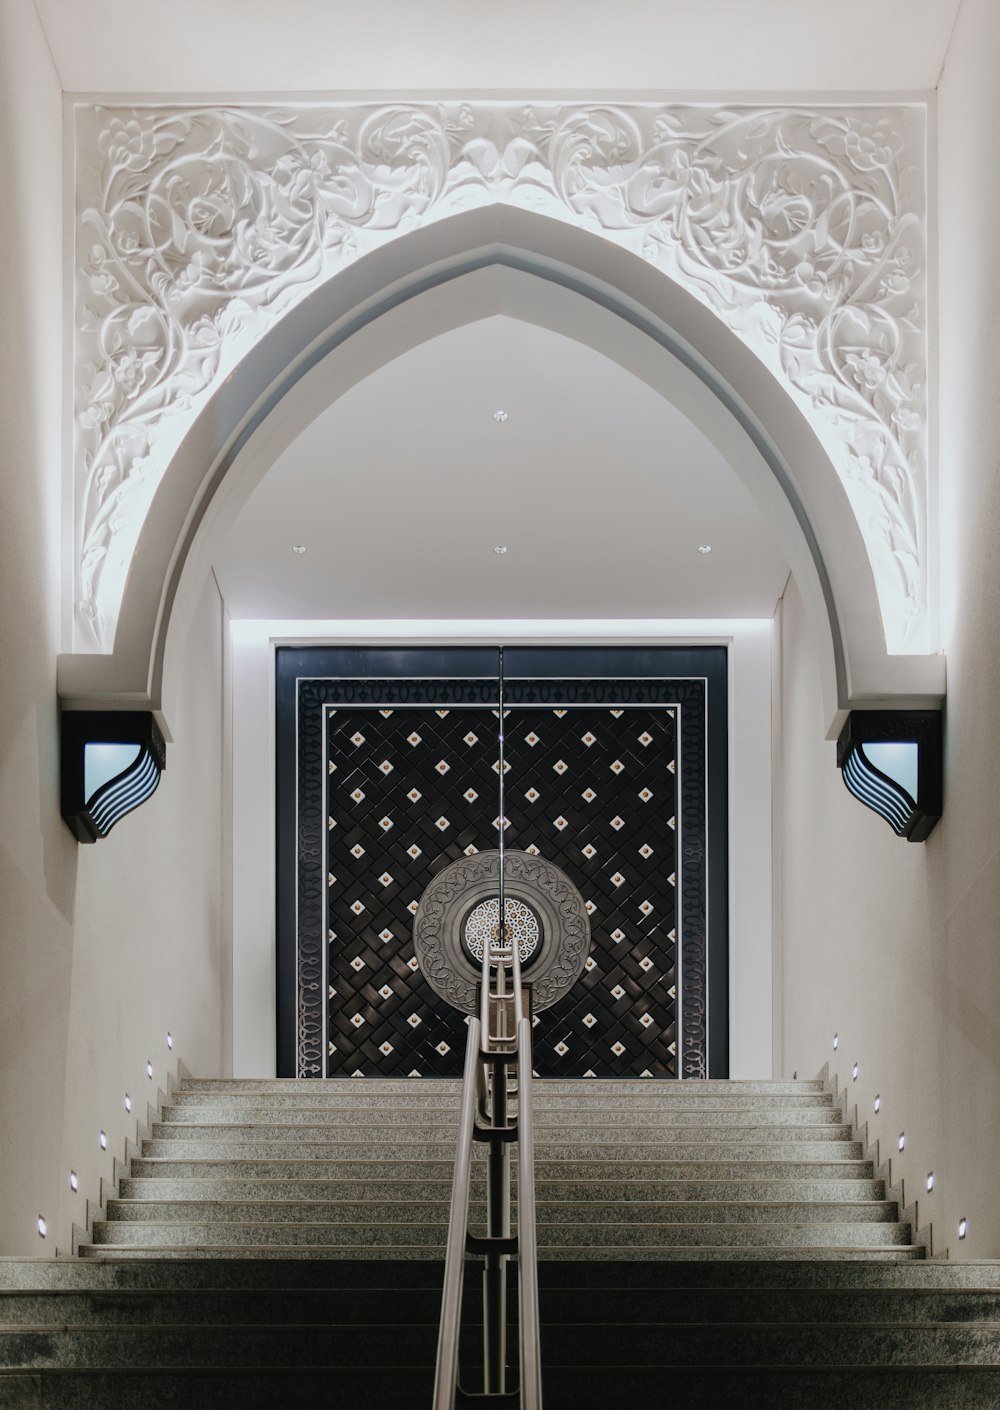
column 803, row 231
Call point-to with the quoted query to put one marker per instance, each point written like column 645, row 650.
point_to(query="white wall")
column 897, row 946
column 749, row 643
column 102, row 948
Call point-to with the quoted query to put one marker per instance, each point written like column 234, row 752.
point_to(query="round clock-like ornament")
column 459, row 913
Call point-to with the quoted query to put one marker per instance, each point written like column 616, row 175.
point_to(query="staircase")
column 624, row 1169
column 700, row 1242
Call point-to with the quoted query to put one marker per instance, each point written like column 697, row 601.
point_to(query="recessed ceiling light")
column 298, row 548
column 704, row 548
column 500, row 417
column 500, row 549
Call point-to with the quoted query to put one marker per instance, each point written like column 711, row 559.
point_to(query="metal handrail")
column 527, row 1236
column 458, row 1226
column 498, row 1052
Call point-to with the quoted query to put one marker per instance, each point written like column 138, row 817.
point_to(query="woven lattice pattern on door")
column 591, row 789
column 378, row 996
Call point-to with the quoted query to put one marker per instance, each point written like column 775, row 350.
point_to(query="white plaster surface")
column 101, row 948
column 895, row 946
column 239, row 45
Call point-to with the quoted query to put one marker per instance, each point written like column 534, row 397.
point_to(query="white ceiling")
column 242, row 46
column 601, row 490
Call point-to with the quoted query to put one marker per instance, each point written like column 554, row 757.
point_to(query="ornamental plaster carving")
column 803, row 230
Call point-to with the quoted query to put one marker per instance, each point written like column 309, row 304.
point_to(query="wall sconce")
column 891, row 762
column 111, row 762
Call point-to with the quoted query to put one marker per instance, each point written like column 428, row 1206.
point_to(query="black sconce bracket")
column 111, row 762
column 892, row 761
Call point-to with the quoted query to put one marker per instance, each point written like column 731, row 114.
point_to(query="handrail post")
column 497, row 1226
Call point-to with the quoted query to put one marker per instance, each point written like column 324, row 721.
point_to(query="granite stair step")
column 614, row 1152
column 668, row 1114
column 567, row 1345
column 593, row 1388
column 684, row 1129
column 550, row 1211
column 656, row 1100
column 161, row 1167
column 578, row 1233
column 614, row 1088
column 564, row 1188
column 347, row 1307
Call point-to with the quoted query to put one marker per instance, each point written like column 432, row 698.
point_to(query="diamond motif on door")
column 383, row 863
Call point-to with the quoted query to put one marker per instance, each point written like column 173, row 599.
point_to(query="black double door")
column 388, row 771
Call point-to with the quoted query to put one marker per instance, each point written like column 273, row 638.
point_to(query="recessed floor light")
column 500, row 549
column 298, row 548
column 704, row 548
column 500, row 416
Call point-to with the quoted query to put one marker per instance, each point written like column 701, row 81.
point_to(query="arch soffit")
column 481, row 262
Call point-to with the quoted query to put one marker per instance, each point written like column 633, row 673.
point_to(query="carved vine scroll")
column 803, row 230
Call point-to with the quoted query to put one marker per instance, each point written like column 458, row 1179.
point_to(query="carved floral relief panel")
column 802, row 229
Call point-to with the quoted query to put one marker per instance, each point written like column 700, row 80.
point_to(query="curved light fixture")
column 111, row 762
column 891, row 762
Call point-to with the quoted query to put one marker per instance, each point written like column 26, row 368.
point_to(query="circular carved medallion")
column 543, row 910
column 483, row 926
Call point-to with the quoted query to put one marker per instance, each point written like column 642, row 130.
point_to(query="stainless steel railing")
column 491, row 1059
